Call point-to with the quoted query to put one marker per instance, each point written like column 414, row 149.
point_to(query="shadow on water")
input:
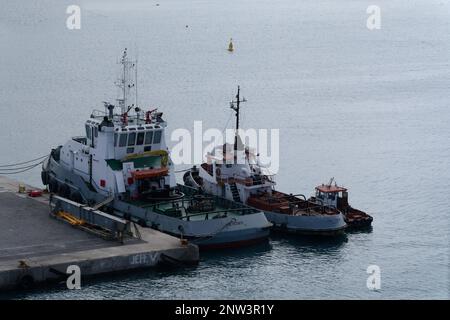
column 242, row 252
column 307, row 243
column 286, row 242
column 368, row 229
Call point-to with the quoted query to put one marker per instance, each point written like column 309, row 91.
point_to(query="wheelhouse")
column 137, row 139
column 333, row 196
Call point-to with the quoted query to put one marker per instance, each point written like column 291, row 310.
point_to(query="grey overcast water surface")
column 370, row 108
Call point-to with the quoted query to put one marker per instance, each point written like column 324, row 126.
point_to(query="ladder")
column 235, row 192
column 104, row 202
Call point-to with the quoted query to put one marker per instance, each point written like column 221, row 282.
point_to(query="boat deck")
column 192, row 208
column 289, row 204
column 184, row 213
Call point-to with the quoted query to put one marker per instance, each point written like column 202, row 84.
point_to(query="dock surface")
column 38, row 248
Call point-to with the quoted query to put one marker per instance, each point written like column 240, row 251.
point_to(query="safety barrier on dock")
column 90, row 219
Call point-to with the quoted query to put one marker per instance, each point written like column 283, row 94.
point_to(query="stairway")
column 257, row 179
column 235, row 192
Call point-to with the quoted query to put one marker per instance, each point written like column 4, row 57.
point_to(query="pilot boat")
column 234, row 172
column 337, row 197
column 122, row 164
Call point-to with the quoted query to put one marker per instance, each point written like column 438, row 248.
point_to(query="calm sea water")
column 370, row 108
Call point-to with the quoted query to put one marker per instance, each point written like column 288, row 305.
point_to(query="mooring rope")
column 19, row 167
column 21, row 163
column 23, row 170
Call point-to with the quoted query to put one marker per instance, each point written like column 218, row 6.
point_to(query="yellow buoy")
column 230, row 46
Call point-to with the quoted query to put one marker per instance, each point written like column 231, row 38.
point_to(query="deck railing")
column 240, row 211
column 189, row 192
column 248, row 181
column 306, row 204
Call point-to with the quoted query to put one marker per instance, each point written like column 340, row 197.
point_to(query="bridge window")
column 96, row 131
column 148, row 137
column 115, row 139
column 132, row 139
column 140, row 138
column 157, row 138
column 123, row 140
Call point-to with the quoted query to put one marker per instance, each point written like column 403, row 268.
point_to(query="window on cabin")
column 92, row 137
column 130, row 150
column 88, row 132
column 115, row 139
column 140, row 138
column 96, row 132
column 331, row 196
column 123, row 140
column 147, row 148
column 157, row 138
column 132, row 139
column 149, row 137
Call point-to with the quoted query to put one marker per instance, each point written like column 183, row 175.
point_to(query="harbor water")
column 368, row 107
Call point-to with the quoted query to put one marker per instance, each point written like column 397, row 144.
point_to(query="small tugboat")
column 337, row 197
column 122, row 164
column 245, row 181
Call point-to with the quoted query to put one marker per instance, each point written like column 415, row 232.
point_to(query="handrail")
column 214, row 212
column 309, row 205
column 98, row 113
column 182, row 200
column 294, row 195
column 246, row 180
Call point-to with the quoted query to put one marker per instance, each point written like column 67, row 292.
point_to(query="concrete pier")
column 36, row 248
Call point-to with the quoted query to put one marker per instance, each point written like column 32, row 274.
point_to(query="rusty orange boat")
column 337, row 197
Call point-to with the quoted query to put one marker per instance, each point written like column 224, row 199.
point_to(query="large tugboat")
column 233, row 172
column 122, row 165
column 337, row 197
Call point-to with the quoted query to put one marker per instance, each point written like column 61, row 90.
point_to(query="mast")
column 127, row 84
column 235, row 105
column 136, row 82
